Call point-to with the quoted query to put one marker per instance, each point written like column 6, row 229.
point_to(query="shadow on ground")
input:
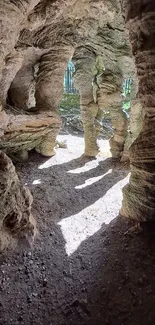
column 109, row 279
column 57, row 193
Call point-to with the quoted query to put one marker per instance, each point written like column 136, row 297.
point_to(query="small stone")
column 149, row 290
column 26, row 271
column 103, row 290
column 84, row 301
column 44, row 282
column 144, row 276
column 134, row 302
column 29, row 300
column 140, row 281
column 20, row 318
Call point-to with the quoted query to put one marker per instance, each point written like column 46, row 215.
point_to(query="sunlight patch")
column 93, row 180
column 74, row 150
column 86, row 223
column 105, row 150
column 88, row 166
column 36, row 181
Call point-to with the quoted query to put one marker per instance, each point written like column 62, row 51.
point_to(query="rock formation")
column 38, row 37
column 32, row 79
column 84, row 60
column 135, row 119
column 101, row 66
column 34, row 64
column 139, row 200
column 16, row 200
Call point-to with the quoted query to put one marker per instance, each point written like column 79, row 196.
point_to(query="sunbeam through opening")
column 86, row 223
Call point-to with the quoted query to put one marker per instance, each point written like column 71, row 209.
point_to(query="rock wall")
column 15, row 207
column 33, row 93
column 138, row 199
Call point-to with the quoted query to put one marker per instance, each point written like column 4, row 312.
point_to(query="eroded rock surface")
column 139, row 199
column 35, row 60
column 15, row 206
column 26, row 132
column 102, row 64
column 37, row 40
column 32, row 72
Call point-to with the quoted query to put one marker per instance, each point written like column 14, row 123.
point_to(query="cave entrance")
column 69, row 106
column 126, row 94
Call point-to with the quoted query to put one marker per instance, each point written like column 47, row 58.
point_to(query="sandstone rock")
column 16, row 201
column 37, row 40
column 135, row 126
column 138, row 198
column 26, row 132
column 46, row 38
column 99, row 77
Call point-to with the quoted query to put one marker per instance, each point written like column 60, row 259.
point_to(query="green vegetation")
column 69, row 103
column 126, row 104
column 69, row 108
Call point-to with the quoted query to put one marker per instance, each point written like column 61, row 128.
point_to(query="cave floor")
column 83, row 268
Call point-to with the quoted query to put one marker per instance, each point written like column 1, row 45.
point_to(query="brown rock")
column 15, row 207
column 138, row 199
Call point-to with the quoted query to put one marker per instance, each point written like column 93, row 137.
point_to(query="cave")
column 77, row 210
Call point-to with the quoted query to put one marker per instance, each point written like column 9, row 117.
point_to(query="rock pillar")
column 139, row 194
column 84, row 61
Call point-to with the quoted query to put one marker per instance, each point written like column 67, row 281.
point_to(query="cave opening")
column 69, row 106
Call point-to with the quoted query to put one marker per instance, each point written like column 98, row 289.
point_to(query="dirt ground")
column 83, row 269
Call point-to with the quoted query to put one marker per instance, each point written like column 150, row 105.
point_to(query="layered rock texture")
column 139, row 198
column 32, row 73
column 15, row 207
column 135, row 118
column 38, row 37
column 102, row 63
column 32, row 67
